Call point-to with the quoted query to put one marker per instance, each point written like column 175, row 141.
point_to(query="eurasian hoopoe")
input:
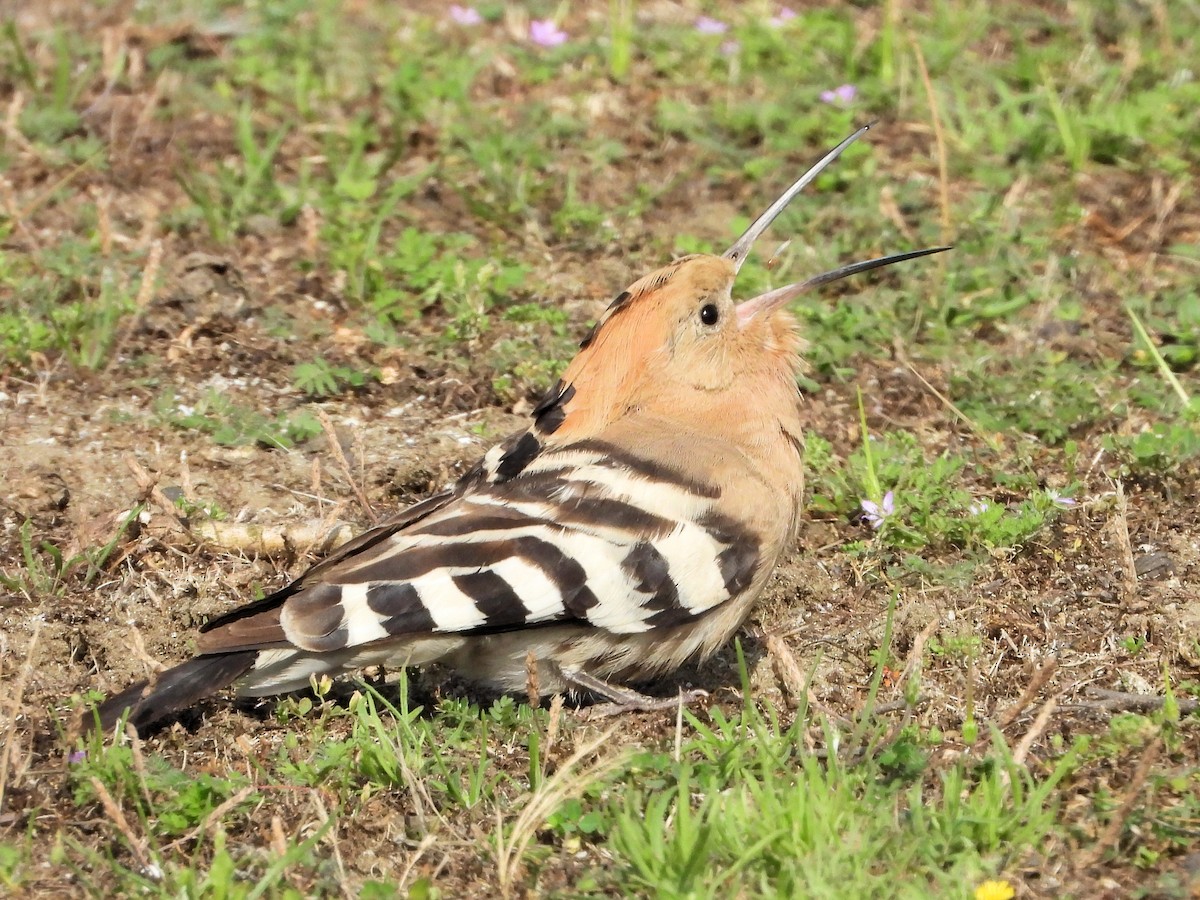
column 628, row 529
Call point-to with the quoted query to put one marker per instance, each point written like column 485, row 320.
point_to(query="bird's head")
column 676, row 341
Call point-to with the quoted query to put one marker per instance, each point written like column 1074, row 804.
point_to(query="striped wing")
column 581, row 534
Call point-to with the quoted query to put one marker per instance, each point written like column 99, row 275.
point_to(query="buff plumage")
column 627, row 530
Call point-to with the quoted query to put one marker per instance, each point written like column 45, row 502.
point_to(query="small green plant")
column 11, row 864
column 44, row 570
column 65, row 299
column 231, row 191
column 419, row 270
column 207, row 509
column 177, row 801
column 1161, row 448
column 392, row 745
column 580, row 817
column 1133, row 644
column 911, row 501
column 620, row 38
column 956, row 647
column 1045, row 395
column 763, row 811
column 320, row 378
column 233, row 425
column 54, row 115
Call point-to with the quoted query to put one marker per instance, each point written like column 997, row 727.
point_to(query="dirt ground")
column 80, row 450
column 83, row 450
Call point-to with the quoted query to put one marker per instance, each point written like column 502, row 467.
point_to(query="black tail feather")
column 175, row 689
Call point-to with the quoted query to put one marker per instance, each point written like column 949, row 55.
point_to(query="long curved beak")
column 773, row 300
column 741, row 247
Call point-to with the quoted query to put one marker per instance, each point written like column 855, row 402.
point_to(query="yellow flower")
column 994, row 890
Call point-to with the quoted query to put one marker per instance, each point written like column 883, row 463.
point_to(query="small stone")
column 1154, row 565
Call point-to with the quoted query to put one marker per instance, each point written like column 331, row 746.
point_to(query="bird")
column 627, row 530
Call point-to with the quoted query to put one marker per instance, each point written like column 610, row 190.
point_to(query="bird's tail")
column 175, row 689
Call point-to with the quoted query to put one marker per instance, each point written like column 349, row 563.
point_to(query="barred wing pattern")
column 584, row 533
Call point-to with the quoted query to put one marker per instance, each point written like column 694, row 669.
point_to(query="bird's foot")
column 625, row 700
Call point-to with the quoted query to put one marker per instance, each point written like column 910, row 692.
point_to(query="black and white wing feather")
column 582, row 534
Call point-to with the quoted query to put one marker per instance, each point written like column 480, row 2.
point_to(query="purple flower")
column 1059, row 500
column 545, row 33
column 465, row 15
column 874, row 513
column 840, row 96
column 729, row 48
column 978, row 507
column 706, row 25
column 785, row 15
column 75, row 757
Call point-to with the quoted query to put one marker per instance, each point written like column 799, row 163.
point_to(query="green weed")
column 11, row 863
column 1161, row 448
column 762, row 815
column 232, row 425
column 45, row 571
column 320, row 378
column 932, row 503
column 66, row 299
column 231, row 191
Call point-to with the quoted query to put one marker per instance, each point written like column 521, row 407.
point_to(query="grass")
column 742, row 803
column 220, row 222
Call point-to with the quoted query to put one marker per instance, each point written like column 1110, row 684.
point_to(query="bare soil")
column 77, row 448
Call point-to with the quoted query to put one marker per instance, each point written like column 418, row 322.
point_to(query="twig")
column 8, row 199
column 11, row 126
column 145, row 296
column 153, row 666
column 103, row 203
column 1121, row 526
column 145, row 292
column 1043, row 674
column 335, row 447
column 917, row 650
column 1035, row 731
column 310, row 225
column 138, row 845
column 553, row 723
column 278, row 838
column 185, row 479
column 794, row 681
column 939, row 142
column 274, row 540
column 16, row 693
column 1121, row 701
column 135, row 750
column 1112, row 832
column 148, row 485
column 902, row 704
column 788, row 670
column 216, row 815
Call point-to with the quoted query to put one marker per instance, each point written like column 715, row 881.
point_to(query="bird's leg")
column 375, row 676
column 624, row 700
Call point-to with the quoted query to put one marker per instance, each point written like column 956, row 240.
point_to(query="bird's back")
column 589, row 535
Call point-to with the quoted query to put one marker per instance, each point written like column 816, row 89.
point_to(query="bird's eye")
column 709, row 314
